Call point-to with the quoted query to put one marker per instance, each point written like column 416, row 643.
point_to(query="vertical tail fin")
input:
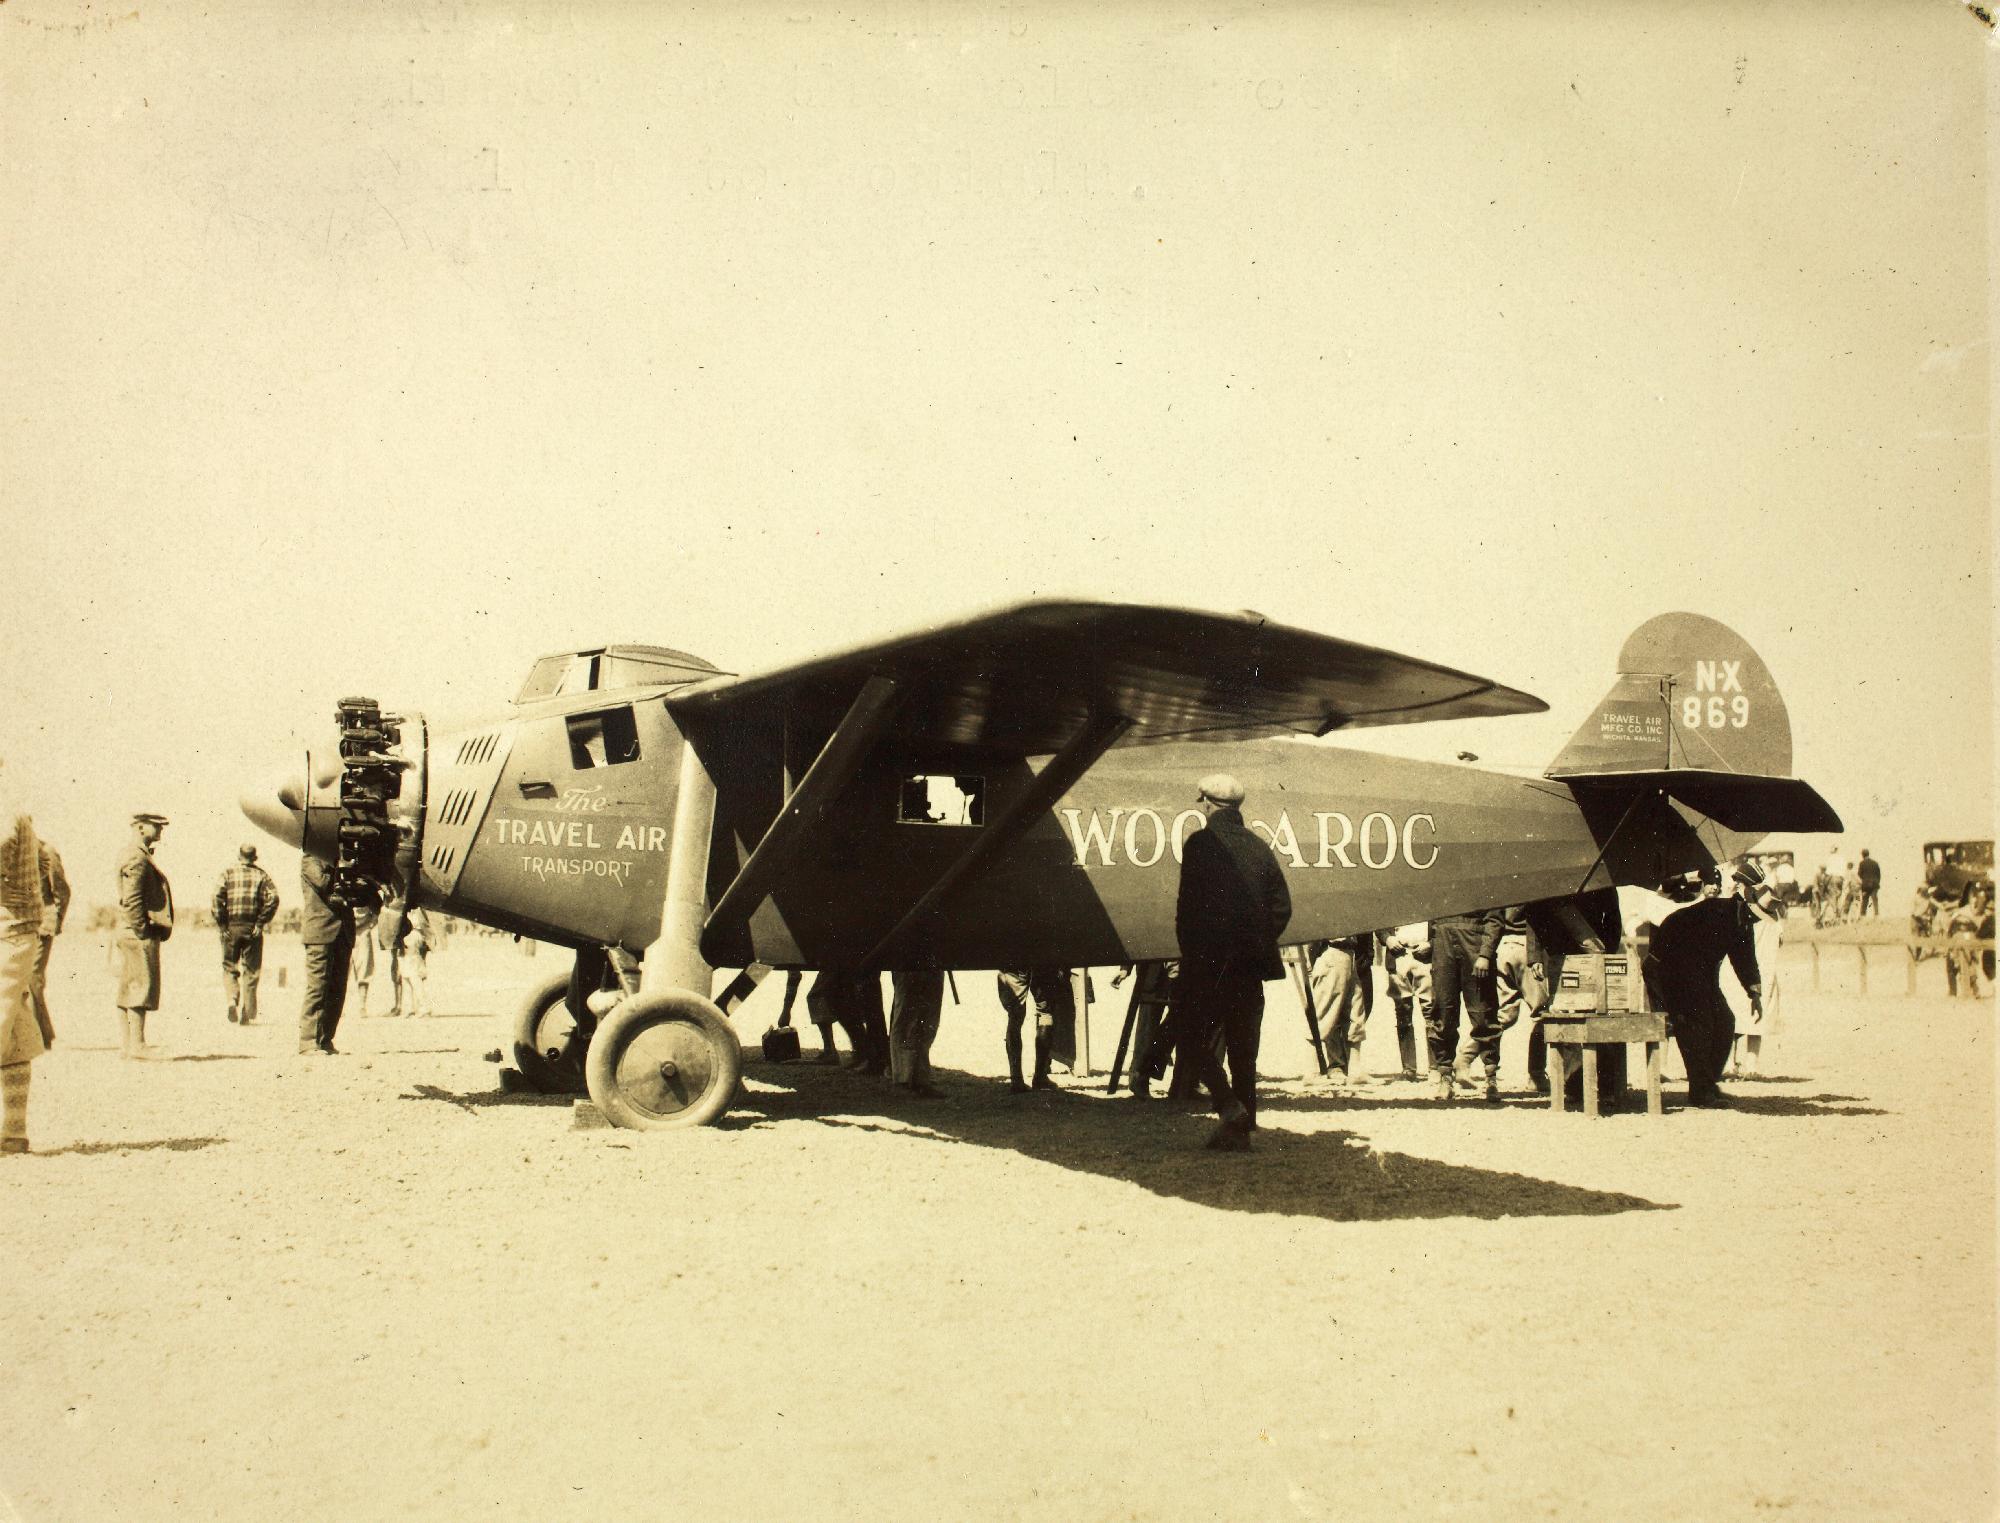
column 1691, row 694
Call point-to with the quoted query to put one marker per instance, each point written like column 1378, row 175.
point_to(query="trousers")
column 326, row 989
column 913, row 1025
column 1340, row 995
column 1230, row 1002
column 1703, row 1024
column 242, row 968
column 1453, row 949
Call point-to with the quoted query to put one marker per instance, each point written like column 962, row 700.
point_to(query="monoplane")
column 1013, row 790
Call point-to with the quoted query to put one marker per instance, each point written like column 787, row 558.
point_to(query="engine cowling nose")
column 358, row 803
column 300, row 803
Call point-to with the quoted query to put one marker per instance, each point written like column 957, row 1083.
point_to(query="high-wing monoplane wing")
column 1031, row 677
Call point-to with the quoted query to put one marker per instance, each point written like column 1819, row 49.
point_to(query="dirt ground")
column 246, row 1285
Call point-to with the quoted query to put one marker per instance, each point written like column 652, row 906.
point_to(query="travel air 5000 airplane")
column 1009, row 791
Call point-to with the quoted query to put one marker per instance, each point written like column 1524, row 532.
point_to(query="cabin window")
column 608, row 738
column 941, row 799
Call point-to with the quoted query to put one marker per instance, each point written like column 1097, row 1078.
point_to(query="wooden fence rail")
column 1934, row 946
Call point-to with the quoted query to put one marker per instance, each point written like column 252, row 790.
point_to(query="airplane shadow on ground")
column 168, row 1144
column 1332, row 1175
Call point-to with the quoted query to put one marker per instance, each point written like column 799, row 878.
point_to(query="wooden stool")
column 1566, row 1033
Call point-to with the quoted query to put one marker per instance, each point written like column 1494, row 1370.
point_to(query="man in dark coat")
column 1869, row 873
column 1232, row 906
column 145, row 920
column 1683, row 973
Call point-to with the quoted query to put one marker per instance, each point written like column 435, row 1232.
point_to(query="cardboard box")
column 1600, row 983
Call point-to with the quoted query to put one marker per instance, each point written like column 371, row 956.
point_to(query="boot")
column 1015, row 1082
column 1044, row 1042
column 14, row 1108
column 1406, row 1049
column 828, row 1053
column 1444, row 1083
column 135, row 1036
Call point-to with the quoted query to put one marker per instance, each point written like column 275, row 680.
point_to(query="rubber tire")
column 631, row 1022
column 549, row 1076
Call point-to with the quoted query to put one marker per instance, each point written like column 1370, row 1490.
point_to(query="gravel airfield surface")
column 250, row 1285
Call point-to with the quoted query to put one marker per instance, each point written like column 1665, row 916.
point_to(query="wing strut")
column 832, row 770
column 1054, row 780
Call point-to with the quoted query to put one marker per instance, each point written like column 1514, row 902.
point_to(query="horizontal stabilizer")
column 1745, row 802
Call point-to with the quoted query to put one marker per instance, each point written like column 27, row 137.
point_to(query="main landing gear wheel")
column 547, row 1048
column 661, row 1061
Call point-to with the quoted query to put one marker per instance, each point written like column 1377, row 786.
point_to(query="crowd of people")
column 1497, row 966
column 1464, row 979
column 34, row 904
column 1842, row 890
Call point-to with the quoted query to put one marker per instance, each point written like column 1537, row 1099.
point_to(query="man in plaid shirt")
column 245, row 903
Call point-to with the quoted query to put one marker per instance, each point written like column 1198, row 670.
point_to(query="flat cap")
column 149, row 819
column 247, row 853
column 1220, row 787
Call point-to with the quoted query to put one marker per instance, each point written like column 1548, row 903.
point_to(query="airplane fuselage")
column 533, row 825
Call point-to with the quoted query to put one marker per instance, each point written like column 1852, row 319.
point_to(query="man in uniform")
column 1462, row 952
column 327, row 929
column 1515, row 990
column 1682, row 970
column 145, row 919
column 246, row 901
column 1047, row 989
column 1232, row 906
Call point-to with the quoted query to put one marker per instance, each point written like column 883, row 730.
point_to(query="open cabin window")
column 941, row 799
column 607, row 738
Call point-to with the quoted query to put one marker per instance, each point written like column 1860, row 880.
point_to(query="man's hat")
column 149, row 819
column 1220, row 787
column 247, row 853
column 1750, row 873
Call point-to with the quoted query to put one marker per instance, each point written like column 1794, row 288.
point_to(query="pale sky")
column 381, row 349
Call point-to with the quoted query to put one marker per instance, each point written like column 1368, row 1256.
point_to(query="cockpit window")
column 931, row 799
column 607, row 738
column 558, row 674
